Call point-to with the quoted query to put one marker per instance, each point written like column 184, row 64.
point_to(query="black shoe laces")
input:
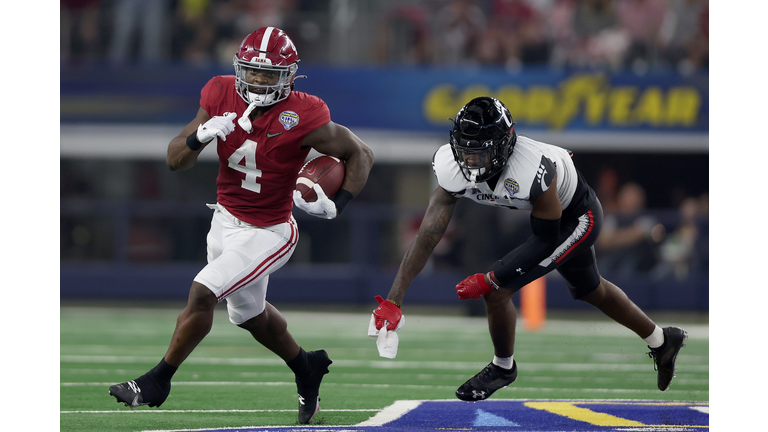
column 487, row 373
column 652, row 355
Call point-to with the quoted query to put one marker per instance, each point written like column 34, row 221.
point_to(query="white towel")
column 386, row 341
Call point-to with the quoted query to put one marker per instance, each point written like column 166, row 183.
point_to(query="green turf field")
column 230, row 380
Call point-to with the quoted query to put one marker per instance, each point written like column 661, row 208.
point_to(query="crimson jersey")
column 258, row 170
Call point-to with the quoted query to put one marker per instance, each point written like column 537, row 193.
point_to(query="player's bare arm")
column 336, row 140
column 180, row 156
column 433, row 226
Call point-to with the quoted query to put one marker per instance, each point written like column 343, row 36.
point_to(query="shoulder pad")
column 447, row 171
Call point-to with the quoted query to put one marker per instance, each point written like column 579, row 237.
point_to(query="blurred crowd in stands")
column 613, row 34
column 636, row 240
column 150, row 31
column 641, row 35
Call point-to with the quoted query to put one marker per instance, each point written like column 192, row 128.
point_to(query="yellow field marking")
column 570, row 410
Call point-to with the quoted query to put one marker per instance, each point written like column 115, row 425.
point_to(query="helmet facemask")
column 482, row 138
column 279, row 78
column 480, row 160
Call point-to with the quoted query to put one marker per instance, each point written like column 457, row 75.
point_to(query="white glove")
column 323, row 208
column 217, row 126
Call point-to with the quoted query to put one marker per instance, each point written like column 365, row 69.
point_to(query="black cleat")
column 309, row 386
column 664, row 356
column 141, row 391
column 486, row 382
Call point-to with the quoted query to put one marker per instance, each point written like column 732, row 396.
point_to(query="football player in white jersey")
column 487, row 162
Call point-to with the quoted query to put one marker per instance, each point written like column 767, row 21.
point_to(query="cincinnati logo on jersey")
column 482, row 196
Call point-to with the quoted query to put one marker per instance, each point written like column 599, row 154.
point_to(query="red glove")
column 473, row 287
column 387, row 311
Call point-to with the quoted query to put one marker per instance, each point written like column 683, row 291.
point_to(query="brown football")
column 327, row 171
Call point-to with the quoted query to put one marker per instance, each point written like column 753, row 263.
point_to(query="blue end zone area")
column 522, row 416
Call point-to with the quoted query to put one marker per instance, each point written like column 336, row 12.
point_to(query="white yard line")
column 391, row 413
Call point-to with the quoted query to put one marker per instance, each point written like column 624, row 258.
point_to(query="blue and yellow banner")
column 419, row 99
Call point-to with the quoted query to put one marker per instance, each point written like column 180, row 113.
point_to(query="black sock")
column 300, row 364
column 163, row 371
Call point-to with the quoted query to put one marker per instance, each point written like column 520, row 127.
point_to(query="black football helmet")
column 482, row 138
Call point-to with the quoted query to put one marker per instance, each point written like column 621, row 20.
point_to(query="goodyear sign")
column 424, row 99
column 589, row 100
column 420, row 99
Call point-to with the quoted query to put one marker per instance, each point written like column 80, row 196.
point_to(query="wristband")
column 395, row 303
column 193, row 143
column 341, row 199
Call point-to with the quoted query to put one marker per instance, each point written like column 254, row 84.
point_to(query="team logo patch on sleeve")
column 288, row 119
column 544, row 176
column 511, row 186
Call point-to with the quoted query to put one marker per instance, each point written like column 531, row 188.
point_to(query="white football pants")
column 240, row 259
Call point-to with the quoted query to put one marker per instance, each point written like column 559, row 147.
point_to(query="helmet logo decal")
column 288, row 119
column 511, row 186
column 261, row 60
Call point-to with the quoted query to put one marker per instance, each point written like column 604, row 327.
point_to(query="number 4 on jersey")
column 246, row 154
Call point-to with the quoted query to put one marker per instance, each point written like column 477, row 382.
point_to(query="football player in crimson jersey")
column 487, row 162
column 262, row 131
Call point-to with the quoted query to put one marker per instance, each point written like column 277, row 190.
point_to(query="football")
column 327, row 171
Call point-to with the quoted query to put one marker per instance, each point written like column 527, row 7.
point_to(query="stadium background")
column 619, row 83
column 624, row 84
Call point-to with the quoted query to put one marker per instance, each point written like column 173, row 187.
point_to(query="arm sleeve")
column 540, row 245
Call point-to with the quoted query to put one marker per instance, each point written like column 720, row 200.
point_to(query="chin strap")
column 245, row 120
column 473, row 176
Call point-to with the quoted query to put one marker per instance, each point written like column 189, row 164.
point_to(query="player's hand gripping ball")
column 319, row 179
column 326, row 171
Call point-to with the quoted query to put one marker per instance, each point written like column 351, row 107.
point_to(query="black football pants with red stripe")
column 574, row 257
